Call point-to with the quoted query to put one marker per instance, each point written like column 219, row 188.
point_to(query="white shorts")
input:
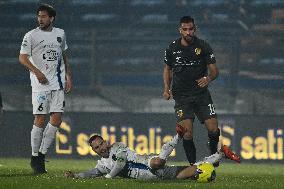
column 48, row 102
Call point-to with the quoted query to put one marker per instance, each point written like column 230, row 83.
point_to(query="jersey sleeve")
column 119, row 163
column 26, row 47
column 168, row 57
column 208, row 54
column 89, row 174
column 64, row 44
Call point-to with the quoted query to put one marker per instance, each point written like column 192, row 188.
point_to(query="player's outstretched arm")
column 93, row 173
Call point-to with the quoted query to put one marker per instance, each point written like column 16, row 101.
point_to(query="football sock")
column 168, row 147
column 48, row 138
column 213, row 141
column 214, row 158
column 36, row 137
column 190, row 150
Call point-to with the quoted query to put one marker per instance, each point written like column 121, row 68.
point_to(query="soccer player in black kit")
column 186, row 78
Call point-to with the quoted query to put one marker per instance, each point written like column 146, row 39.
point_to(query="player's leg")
column 50, row 131
column 56, row 110
column 40, row 109
column 187, row 172
column 206, row 114
column 188, row 143
column 185, row 117
column 224, row 151
column 169, row 146
column 158, row 162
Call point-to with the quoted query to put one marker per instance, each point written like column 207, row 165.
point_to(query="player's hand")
column 167, row 94
column 203, row 82
column 68, row 84
column 69, row 174
column 41, row 77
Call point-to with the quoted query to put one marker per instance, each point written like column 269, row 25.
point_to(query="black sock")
column 213, row 141
column 190, row 150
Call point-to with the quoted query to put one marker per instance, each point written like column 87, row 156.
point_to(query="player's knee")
column 188, row 135
column 39, row 120
column 212, row 125
column 158, row 163
column 55, row 120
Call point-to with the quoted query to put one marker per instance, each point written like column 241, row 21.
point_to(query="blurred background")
column 116, row 50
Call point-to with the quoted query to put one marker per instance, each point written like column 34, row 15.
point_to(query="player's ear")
column 179, row 29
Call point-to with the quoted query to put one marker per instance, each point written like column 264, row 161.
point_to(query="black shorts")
column 186, row 107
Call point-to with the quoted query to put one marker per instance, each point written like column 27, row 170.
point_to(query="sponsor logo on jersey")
column 179, row 113
column 197, row 51
column 41, row 98
column 50, row 55
column 59, row 39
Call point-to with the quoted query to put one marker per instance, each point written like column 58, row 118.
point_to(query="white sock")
column 36, row 137
column 48, row 138
column 211, row 159
column 168, row 147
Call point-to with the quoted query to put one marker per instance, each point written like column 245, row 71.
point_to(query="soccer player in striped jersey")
column 43, row 53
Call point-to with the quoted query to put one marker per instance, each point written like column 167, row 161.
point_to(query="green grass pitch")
column 16, row 174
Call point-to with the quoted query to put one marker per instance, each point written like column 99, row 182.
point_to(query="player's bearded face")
column 100, row 147
column 187, row 31
column 44, row 20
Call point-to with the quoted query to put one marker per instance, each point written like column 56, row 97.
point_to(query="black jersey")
column 188, row 63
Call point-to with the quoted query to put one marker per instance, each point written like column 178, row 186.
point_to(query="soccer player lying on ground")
column 119, row 160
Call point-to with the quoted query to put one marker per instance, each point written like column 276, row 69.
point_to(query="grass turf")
column 16, row 174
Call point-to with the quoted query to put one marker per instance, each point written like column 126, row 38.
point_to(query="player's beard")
column 44, row 26
column 189, row 38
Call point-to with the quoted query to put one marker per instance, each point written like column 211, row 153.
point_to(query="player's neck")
column 47, row 29
column 185, row 42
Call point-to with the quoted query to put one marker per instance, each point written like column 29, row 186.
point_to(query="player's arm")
column 211, row 65
column 68, row 84
column 24, row 60
column 213, row 74
column 119, row 164
column 93, row 173
column 167, row 76
column 25, row 53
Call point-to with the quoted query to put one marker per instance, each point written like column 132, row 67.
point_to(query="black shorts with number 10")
column 201, row 105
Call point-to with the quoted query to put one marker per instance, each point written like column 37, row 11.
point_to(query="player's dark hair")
column 186, row 19
column 94, row 137
column 48, row 8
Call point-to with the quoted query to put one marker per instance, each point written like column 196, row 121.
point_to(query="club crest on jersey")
column 197, row 51
column 59, row 39
column 179, row 113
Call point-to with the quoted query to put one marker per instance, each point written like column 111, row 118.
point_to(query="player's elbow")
column 22, row 58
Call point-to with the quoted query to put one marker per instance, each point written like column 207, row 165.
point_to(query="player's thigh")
column 184, row 109
column 205, row 108
column 57, row 101
column 40, row 102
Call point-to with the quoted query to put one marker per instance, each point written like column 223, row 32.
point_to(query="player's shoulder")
column 58, row 29
column 32, row 32
column 174, row 44
column 202, row 42
column 118, row 146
